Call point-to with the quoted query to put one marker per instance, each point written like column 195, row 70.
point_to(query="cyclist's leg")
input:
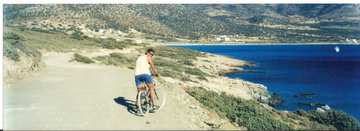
column 150, row 83
column 152, row 93
column 137, row 97
column 138, row 86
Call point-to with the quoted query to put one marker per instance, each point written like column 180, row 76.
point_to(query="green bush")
column 39, row 30
column 10, row 51
column 275, row 100
column 113, row 44
column 9, row 48
column 167, row 67
column 77, row 35
column 254, row 116
column 14, row 44
column 188, row 62
column 202, row 78
column 83, row 59
column 179, row 61
column 170, row 67
column 102, row 59
column 122, row 58
column 195, row 71
column 12, row 36
column 244, row 112
column 117, row 59
column 338, row 119
column 182, row 55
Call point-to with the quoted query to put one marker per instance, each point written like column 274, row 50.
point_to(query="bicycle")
column 143, row 98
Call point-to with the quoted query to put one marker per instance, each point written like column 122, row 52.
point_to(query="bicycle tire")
column 143, row 103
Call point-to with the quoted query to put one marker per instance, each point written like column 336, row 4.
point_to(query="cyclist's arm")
column 152, row 66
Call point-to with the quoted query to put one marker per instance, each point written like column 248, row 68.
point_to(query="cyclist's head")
column 150, row 51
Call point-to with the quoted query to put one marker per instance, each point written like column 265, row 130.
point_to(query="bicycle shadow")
column 129, row 104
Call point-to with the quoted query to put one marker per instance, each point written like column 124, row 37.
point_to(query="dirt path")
column 68, row 95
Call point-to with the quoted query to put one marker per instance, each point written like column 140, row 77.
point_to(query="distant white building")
column 120, row 32
column 101, row 30
column 110, row 31
column 138, row 41
column 347, row 40
column 224, row 38
column 133, row 30
column 221, row 38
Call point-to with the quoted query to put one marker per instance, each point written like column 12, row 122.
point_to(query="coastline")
column 236, row 70
column 219, row 66
column 191, row 67
column 250, row 44
column 263, row 100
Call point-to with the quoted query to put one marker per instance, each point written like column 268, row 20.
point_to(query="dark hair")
column 150, row 50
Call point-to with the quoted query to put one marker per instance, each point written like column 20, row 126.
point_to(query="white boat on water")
column 337, row 49
column 355, row 41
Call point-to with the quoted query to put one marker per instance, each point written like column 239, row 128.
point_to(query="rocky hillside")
column 279, row 22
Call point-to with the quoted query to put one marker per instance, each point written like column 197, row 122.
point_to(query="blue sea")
column 330, row 77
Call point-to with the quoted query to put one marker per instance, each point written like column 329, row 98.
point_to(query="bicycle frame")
column 145, row 88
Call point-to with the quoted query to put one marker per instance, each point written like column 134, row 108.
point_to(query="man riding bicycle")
column 144, row 71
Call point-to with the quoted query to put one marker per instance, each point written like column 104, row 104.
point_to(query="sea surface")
column 301, row 74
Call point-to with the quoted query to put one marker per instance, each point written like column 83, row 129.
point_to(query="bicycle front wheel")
column 160, row 98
